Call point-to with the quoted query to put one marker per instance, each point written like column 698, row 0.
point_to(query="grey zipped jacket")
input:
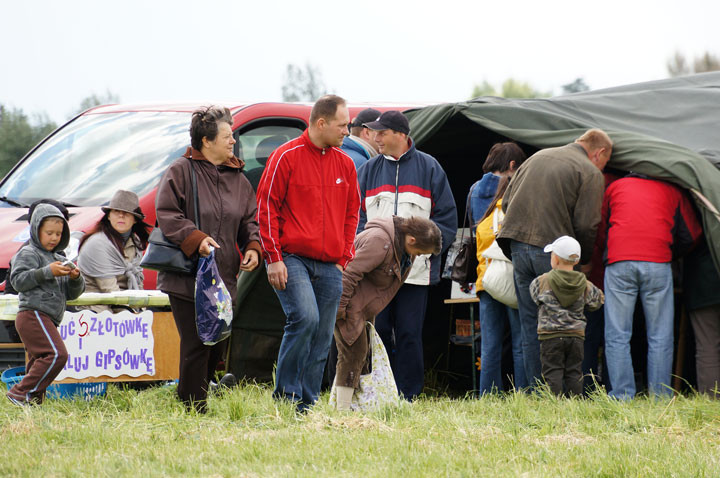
column 31, row 276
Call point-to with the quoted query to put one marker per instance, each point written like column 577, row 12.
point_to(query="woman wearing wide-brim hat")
column 111, row 251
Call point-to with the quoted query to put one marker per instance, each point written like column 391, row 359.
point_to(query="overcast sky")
column 55, row 53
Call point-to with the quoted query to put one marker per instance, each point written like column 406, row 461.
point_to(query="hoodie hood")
column 43, row 211
column 567, row 286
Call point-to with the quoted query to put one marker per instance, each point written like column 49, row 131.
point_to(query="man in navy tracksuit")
column 406, row 182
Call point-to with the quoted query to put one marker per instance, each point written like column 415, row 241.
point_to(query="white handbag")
column 377, row 389
column 498, row 279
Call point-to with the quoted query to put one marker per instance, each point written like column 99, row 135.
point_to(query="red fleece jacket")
column 308, row 201
column 646, row 220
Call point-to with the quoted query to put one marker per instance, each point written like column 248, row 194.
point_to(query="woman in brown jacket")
column 227, row 207
column 384, row 253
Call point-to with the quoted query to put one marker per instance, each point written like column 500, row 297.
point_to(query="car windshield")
column 97, row 154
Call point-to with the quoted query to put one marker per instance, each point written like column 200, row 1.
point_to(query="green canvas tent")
column 666, row 129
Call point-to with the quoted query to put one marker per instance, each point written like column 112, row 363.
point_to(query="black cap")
column 365, row 116
column 393, row 120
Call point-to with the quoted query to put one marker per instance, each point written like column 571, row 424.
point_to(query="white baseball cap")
column 565, row 247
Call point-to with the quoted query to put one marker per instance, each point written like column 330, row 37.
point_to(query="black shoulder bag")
column 164, row 255
column 464, row 267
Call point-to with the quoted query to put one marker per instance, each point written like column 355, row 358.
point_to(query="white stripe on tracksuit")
column 27, row 396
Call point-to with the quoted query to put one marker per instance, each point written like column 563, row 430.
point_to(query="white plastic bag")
column 498, row 279
column 377, row 389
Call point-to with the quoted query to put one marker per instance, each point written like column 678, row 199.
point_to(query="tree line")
column 19, row 132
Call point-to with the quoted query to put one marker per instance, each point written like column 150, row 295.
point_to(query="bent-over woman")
column 384, row 253
column 227, row 207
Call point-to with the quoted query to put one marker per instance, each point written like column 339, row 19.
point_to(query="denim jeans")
column 493, row 315
column 310, row 301
column 528, row 263
column 624, row 282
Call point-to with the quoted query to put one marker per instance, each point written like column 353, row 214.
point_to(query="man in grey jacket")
column 556, row 192
column 44, row 281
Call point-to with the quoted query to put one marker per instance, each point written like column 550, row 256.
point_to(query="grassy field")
column 246, row 433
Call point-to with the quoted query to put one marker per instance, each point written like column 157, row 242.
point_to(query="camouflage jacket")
column 554, row 320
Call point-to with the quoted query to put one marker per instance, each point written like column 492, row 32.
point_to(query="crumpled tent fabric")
column 666, row 129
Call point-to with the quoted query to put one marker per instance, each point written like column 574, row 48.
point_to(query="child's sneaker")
column 19, row 403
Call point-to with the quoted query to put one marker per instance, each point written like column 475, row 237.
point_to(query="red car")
column 107, row 148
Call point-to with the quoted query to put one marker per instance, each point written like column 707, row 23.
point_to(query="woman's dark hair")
column 501, row 155
column 204, row 124
column 502, row 186
column 63, row 210
column 426, row 233
column 139, row 229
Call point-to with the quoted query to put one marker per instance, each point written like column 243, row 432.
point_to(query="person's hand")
column 277, row 275
column 340, row 268
column 204, row 248
column 75, row 273
column 250, row 261
column 59, row 270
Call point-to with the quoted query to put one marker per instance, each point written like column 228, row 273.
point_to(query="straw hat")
column 126, row 201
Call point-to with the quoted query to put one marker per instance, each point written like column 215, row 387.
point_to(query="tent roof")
column 665, row 129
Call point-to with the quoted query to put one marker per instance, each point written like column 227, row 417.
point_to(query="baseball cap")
column 565, row 247
column 393, row 120
column 365, row 116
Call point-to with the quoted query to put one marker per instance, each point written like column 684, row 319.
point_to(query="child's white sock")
column 344, row 397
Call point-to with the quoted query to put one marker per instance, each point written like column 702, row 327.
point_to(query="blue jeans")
column 493, row 315
column 624, row 282
column 528, row 263
column 310, row 301
column 400, row 326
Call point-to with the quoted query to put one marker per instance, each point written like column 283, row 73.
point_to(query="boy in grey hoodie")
column 562, row 295
column 43, row 283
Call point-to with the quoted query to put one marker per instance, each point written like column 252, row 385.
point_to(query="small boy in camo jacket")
column 562, row 296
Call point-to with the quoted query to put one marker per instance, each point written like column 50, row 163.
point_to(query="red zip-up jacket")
column 308, row 201
column 646, row 220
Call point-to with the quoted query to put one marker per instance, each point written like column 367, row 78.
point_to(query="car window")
column 257, row 143
column 84, row 163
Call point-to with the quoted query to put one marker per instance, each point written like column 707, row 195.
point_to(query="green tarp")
column 665, row 129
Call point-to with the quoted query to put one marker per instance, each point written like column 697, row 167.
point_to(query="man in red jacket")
column 645, row 224
column 308, row 203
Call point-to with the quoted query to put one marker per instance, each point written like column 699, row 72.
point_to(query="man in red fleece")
column 645, row 224
column 308, row 203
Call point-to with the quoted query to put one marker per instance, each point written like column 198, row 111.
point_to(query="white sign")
column 108, row 344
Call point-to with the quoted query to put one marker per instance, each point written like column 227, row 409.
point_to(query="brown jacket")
column 227, row 214
column 556, row 192
column 373, row 277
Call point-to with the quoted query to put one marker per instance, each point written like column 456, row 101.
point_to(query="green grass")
column 246, row 433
